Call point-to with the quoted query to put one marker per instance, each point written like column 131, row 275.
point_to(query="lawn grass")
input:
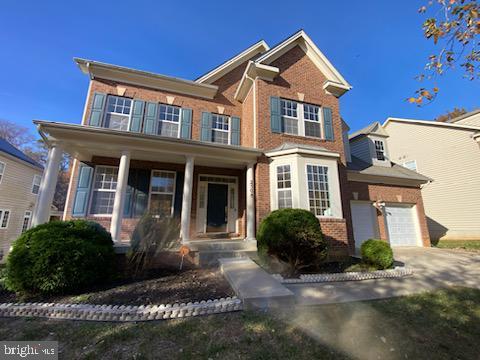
column 472, row 245
column 444, row 324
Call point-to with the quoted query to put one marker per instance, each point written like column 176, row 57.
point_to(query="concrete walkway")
column 433, row 268
column 253, row 285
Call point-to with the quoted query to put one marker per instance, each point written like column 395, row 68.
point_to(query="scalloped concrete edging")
column 120, row 313
column 350, row 276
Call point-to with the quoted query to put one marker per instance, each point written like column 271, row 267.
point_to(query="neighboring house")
column 19, row 187
column 260, row 132
column 449, row 153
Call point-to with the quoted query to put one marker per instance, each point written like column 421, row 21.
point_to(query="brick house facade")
column 259, row 132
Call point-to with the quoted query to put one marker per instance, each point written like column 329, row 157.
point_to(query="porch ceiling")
column 83, row 142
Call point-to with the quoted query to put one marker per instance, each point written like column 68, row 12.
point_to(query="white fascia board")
column 253, row 71
column 432, row 123
column 302, row 151
column 224, row 68
column 143, row 78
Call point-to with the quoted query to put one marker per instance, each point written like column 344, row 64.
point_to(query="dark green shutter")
column 137, row 115
column 275, row 114
column 151, row 111
column 327, row 123
column 85, row 174
column 206, row 130
column 140, row 203
column 96, row 113
column 186, row 124
column 235, row 130
column 177, row 204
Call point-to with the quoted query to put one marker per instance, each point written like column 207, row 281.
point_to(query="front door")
column 217, row 207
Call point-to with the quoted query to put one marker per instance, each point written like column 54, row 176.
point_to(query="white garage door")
column 364, row 223
column 402, row 225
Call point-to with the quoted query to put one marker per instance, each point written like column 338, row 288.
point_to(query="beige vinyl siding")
column 16, row 196
column 473, row 120
column 361, row 149
column 452, row 159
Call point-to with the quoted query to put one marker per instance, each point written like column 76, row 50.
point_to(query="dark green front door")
column 217, row 208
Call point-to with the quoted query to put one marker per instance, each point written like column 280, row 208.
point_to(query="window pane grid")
column 118, row 113
column 284, row 184
column 220, row 129
column 168, row 120
column 379, row 150
column 162, row 188
column 289, row 117
column 36, row 184
column 104, row 186
column 318, row 190
column 4, row 215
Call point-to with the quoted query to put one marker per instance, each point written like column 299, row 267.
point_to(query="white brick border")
column 348, row 276
column 120, row 313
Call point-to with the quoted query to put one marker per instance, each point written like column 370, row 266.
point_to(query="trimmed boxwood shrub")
column 292, row 236
column 377, row 253
column 59, row 257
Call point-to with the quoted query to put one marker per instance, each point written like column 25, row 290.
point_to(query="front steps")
column 208, row 252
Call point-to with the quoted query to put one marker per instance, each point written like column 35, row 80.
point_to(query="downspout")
column 254, row 109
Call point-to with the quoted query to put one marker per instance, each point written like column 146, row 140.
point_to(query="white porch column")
column 187, row 200
column 119, row 201
column 47, row 186
column 250, row 191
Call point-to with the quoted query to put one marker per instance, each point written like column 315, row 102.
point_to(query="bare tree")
column 456, row 112
column 453, row 26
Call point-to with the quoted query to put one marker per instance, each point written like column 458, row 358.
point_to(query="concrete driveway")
column 433, row 268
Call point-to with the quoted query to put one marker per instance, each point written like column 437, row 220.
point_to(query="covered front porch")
column 117, row 177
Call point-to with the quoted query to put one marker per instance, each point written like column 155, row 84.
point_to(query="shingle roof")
column 8, row 148
column 374, row 128
column 395, row 171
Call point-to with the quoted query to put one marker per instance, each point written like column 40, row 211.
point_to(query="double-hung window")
column 104, row 186
column 26, row 220
column 118, row 113
column 220, row 129
column 318, row 190
column 36, row 184
column 379, row 150
column 284, row 187
column 4, row 217
column 300, row 119
column 289, row 117
column 162, row 193
column 2, row 171
column 169, row 121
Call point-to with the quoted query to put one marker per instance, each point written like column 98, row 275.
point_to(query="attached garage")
column 364, row 219
column 402, row 225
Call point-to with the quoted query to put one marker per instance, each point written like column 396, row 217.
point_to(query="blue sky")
column 377, row 46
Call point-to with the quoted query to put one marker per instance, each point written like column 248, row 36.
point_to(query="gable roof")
column 8, row 148
column 222, row 69
column 394, row 171
column 301, row 39
column 430, row 123
column 372, row 129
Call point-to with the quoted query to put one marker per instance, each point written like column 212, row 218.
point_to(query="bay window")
column 118, row 113
column 162, row 193
column 169, row 121
column 104, row 186
column 318, row 190
column 284, row 187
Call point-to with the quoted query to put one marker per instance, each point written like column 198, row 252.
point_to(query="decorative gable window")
column 169, row 121
column 296, row 118
column 380, row 150
column 2, row 171
column 220, row 129
column 284, row 187
column 104, row 186
column 118, row 113
column 36, row 184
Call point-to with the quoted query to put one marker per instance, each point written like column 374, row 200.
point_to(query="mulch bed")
column 163, row 287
